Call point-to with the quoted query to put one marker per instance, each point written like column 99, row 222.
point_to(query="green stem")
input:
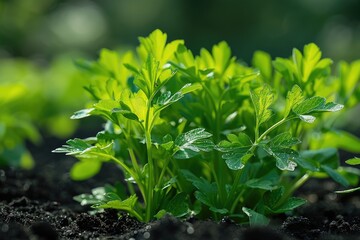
column 292, row 189
column 215, row 161
column 133, row 160
column 163, row 170
column 127, row 169
column 151, row 170
column 272, row 128
column 234, row 187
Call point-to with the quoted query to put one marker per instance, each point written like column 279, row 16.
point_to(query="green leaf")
column 309, row 105
column 255, row 218
column 235, row 160
column 316, row 104
column 178, row 206
column 262, row 100
column 262, row 61
column 290, row 205
column 155, row 45
column 82, row 113
column 261, row 184
column 293, row 98
column 125, row 205
column 207, row 192
column 75, row 146
column 307, row 118
column 284, row 140
column 326, row 156
column 191, row 143
column 85, row 169
column 335, row 175
column 236, row 150
column 353, row 161
column 340, row 139
column 285, row 157
column 271, row 198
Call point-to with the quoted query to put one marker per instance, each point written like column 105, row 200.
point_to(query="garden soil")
column 38, row 204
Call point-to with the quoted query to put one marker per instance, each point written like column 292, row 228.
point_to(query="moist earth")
column 38, row 204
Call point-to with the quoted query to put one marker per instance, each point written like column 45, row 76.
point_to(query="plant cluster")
column 207, row 135
column 35, row 101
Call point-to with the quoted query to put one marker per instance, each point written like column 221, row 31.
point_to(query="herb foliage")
column 208, row 135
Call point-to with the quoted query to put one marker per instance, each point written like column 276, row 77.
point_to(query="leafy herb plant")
column 208, row 135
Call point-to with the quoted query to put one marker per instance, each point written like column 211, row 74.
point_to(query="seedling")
column 205, row 134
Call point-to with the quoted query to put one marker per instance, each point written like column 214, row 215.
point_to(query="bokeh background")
column 42, row 29
column 40, row 39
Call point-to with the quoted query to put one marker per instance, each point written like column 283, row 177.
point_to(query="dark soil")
column 38, row 204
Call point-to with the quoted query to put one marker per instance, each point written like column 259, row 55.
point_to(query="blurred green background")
column 40, row 39
column 42, row 29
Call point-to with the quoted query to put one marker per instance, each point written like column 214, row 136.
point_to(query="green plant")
column 15, row 127
column 206, row 134
column 34, row 100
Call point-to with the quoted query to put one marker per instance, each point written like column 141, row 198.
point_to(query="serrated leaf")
column 191, row 143
column 75, row 146
column 316, row 104
column 309, row 105
column 293, row 98
column 284, row 140
column 236, row 160
column 255, row 218
column 285, row 157
column 125, row 205
column 262, row 100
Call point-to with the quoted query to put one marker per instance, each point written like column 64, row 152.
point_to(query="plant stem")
column 128, row 170
column 272, row 128
column 151, row 173
column 293, row 188
column 234, row 187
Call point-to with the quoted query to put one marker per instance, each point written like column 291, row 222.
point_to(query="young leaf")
column 293, row 98
column 236, row 150
column 255, row 218
column 191, row 143
column 262, row 61
column 74, row 147
column 262, row 100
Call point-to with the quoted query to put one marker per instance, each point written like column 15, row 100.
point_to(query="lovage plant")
column 206, row 134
